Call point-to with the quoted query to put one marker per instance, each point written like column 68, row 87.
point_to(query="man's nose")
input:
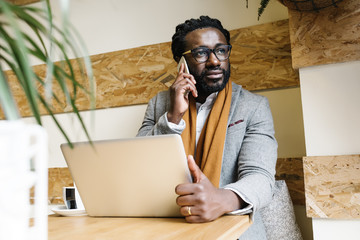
column 213, row 60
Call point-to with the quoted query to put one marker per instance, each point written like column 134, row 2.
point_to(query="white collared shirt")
column 203, row 111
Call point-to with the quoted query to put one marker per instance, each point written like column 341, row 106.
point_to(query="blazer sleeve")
column 155, row 121
column 257, row 158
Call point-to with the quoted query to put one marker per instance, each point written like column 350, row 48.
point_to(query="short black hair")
column 181, row 30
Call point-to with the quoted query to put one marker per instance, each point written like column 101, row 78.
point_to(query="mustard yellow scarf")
column 210, row 145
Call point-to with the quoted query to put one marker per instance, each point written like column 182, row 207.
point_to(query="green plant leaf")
column 6, row 98
column 20, row 53
column 42, row 41
column 263, row 5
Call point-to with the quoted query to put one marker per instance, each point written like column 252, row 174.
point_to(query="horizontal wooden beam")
column 22, row 2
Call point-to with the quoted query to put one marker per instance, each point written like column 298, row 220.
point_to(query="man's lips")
column 214, row 74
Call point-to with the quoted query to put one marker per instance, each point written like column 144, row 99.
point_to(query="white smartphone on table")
column 182, row 60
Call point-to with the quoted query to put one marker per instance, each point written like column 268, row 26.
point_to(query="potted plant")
column 26, row 32
column 300, row 5
column 309, row 5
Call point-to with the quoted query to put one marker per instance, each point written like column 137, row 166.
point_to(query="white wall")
column 331, row 109
column 286, row 109
column 102, row 124
column 110, row 25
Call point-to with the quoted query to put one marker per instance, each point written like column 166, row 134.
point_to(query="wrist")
column 232, row 201
column 174, row 118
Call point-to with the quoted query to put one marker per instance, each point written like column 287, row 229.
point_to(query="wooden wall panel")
column 58, row 178
column 291, row 170
column 23, row 2
column 260, row 59
column 332, row 186
column 331, row 35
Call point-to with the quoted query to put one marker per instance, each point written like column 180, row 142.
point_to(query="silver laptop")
column 133, row 177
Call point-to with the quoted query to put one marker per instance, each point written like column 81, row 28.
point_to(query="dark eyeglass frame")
column 208, row 51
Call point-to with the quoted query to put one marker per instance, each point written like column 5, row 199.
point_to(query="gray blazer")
column 250, row 150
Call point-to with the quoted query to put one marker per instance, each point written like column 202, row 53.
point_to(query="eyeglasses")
column 201, row 54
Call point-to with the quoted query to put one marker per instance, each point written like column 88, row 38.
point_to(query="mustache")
column 203, row 73
column 213, row 68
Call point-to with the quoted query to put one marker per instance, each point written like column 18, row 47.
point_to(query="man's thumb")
column 194, row 169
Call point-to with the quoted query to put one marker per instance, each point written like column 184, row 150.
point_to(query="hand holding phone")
column 179, row 92
column 186, row 70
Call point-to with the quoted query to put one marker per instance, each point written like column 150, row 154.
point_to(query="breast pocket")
column 236, row 127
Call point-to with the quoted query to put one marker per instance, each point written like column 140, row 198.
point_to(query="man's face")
column 212, row 75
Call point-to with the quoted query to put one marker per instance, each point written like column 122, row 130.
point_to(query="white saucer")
column 62, row 210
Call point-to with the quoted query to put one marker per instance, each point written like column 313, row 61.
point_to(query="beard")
column 203, row 88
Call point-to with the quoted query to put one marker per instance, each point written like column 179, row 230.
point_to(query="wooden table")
column 88, row 228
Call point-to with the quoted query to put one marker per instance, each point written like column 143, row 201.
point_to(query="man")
column 228, row 129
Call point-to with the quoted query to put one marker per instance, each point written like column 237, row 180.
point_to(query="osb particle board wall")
column 330, row 36
column 332, row 186
column 23, row 2
column 260, row 59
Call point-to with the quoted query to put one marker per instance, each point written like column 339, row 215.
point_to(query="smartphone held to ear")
column 182, row 60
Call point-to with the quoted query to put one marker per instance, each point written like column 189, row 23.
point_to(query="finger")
column 185, row 74
column 182, row 68
column 191, row 89
column 185, row 200
column 194, row 92
column 180, row 74
column 184, row 189
column 194, row 169
column 183, row 81
column 190, row 77
column 187, row 86
column 188, row 211
column 194, row 219
column 186, row 83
